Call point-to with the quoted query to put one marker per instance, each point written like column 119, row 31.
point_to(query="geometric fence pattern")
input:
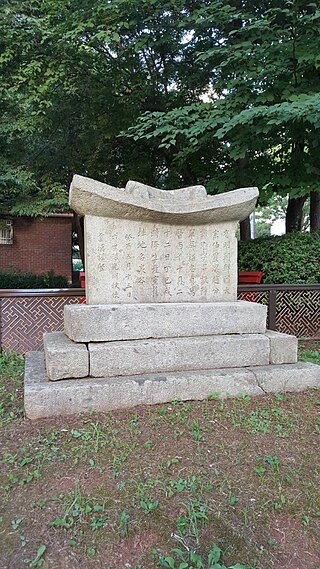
column 298, row 312
column 23, row 319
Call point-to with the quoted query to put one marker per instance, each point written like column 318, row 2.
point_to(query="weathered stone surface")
column 135, row 357
column 46, row 399
column 66, row 397
column 287, row 377
column 141, row 202
column 148, row 245
column 101, row 323
column 64, row 358
column 283, row 348
column 128, row 261
column 148, row 192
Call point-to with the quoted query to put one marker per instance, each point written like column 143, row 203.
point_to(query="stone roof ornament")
column 141, row 202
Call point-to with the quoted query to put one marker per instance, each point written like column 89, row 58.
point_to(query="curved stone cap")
column 144, row 203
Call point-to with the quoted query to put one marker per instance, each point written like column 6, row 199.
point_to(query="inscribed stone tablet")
column 129, row 261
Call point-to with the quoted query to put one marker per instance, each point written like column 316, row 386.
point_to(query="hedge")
column 29, row 280
column 287, row 259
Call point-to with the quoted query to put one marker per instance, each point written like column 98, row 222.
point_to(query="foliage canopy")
column 222, row 92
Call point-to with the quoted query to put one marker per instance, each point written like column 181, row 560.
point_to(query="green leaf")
column 170, row 562
column 37, row 561
column 214, row 555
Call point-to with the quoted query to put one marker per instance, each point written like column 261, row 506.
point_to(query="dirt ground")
column 122, row 489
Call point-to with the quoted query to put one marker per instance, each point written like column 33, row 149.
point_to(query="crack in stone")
column 258, row 383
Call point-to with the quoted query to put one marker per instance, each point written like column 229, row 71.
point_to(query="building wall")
column 39, row 246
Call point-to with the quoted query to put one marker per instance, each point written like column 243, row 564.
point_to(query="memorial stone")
column 161, row 319
column 144, row 245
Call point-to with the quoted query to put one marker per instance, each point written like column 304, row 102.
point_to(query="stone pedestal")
column 109, row 322
column 44, row 398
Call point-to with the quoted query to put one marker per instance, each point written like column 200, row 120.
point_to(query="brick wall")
column 39, row 246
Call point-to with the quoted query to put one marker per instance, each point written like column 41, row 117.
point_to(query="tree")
column 265, row 106
column 218, row 92
column 73, row 76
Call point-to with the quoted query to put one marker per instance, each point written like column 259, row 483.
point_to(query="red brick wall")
column 39, row 246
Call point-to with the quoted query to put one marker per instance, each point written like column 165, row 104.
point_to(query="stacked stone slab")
column 162, row 320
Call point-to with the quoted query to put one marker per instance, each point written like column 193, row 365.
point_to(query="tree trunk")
column 314, row 211
column 78, row 224
column 294, row 214
column 245, row 231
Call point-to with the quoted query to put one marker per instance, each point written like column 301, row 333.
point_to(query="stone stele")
column 145, row 245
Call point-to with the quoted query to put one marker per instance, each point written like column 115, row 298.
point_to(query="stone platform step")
column 68, row 359
column 109, row 322
column 44, row 398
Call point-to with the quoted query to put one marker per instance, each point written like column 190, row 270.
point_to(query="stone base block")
column 134, row 357
column 64, row 358
column 46, row 399
column 283, row 348
column 287, row 377
column 104, row 323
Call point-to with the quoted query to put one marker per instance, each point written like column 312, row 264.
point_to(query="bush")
column 288, row 259
column 29, row 280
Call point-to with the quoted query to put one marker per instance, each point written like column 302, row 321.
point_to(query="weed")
column 258, row 421
column 233, row 500
column 23, row 540
column 196, row 518
column 97, row 523
column 170, row 462
column 196, row 431
column 16, row 522
column 310, row 356
column 38, row 560
column 11, row 371
column 190, row 559
column 176, row 486
column 91, row 550
column 273, row 462
column 281, row 502
column 148, row 504
column 306, row 521
column 192, row 485
column 124, row 524
column 12, row 479
column 182, row 524
column 79, row 507
column 260, row 470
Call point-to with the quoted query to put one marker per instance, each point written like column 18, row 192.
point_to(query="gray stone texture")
column 46, row 399
column 192, row 193
column 103, row 323
column 144, row 203
column 130, row 261
column 135, row 357
column 63, row 357
column 143, row 244
column 287, row 377
column 283, row 348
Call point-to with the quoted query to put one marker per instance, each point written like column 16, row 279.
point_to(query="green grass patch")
column 312, row 356
column 11, row 372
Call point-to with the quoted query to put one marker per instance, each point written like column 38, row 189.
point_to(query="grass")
column 312, row 356
column 184, row 485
